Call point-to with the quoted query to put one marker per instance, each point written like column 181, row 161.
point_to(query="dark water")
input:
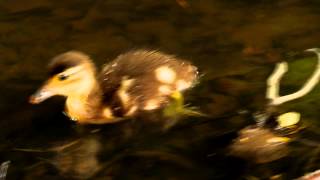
column 235, row 44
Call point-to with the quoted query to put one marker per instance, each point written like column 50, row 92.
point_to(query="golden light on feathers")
column 135, row 81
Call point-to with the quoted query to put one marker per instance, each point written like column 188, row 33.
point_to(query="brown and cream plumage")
column 135, row 81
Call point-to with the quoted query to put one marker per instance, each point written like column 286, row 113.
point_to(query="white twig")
column 274, row 81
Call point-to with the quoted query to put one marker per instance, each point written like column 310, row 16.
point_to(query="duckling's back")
column 144, row 80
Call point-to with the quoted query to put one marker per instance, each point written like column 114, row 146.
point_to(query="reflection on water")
column 235, row 45
column 78, row 159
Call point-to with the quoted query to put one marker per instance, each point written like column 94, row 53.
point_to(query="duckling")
column 134, row 82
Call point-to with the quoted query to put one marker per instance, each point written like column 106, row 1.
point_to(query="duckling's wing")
column 144, row 80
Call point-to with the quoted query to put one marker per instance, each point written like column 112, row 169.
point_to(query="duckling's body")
column 136, row 81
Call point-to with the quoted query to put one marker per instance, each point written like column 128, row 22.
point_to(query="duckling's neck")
column 85, row 104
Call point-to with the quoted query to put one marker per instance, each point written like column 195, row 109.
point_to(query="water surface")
column 235, row 44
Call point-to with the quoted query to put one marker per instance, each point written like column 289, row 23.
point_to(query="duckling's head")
column 71, row 74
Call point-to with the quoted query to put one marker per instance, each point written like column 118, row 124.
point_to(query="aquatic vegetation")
column 176, row 109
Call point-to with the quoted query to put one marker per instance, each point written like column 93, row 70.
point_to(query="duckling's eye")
column 62, row 77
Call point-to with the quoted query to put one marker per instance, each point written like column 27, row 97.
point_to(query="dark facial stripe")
column 58, row 69
column 65, row 61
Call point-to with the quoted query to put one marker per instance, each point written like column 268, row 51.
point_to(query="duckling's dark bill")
column 136, row 81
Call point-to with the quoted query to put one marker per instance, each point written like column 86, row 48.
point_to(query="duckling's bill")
column 43, row 93
column 46, row 91
column 40, row 96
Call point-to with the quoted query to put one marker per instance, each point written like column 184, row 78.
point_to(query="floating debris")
column 4, row 169
column 288, row 119
column 259, row 144
column 273, row 82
